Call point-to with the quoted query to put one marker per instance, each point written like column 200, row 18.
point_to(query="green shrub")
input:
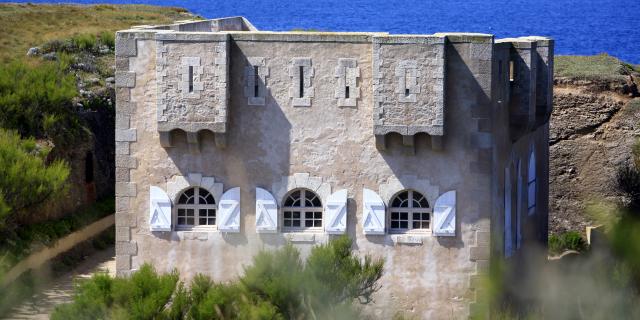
column 570, row 240
column 25, row 179
column 85, row 42
column 628, row 183
column 108, row 39
column 277, row 286
column 36, row 100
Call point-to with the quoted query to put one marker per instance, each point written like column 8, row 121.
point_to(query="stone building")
column 428, row 150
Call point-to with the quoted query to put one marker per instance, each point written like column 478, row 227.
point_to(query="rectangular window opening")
column 406, row 92
column 500, row 70
column 512, row 71
column 301, row 81
column 190, row 78
column 256, row 82
column 346, row 92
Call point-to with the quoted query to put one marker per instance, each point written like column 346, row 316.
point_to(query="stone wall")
column 305, row 132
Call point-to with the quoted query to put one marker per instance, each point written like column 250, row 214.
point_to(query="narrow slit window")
column 346, row 92
column 190, row 78
column 301, row 81
column 500, row 70
column 406, row 92
column 512, row 71
column 256, row 82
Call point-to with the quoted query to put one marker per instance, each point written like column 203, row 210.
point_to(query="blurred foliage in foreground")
column 602, row 282
column 277, row 286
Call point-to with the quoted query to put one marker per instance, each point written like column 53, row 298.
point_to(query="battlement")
column 407, row 85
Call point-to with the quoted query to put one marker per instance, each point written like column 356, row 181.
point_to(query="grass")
column 571, row 240
column 596, row 66
column 26, row 25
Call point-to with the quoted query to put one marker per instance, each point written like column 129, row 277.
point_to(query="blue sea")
column 579, row 27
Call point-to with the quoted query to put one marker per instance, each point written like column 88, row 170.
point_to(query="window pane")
column 404, row 224
column 317, row 223
column 425, row 216
column 190, row 221
column 416, row 216
column 287, row 223
column 317, row 215
column 202, row 221
column 308, row 215
column 296, row 223
column 287, row 214
column 395, row 215
column 296, row 214
column 404, row 215
column 308, row 223
column 190, row 213
column 416, row 224
column 395, row 224
column 181, row 220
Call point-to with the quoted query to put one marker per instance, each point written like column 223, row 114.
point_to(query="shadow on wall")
column 253, row 132
column 450, row 169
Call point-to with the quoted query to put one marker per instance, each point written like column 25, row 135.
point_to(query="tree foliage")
column 36, row 99
column 278, row 285
column 25, row 179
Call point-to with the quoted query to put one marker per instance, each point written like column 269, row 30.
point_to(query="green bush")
column 277, row 286
column 571, row 240
column 628, row 183
column 25, row 179
column 36, row 100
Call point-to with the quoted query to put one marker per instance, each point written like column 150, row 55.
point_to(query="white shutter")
column 159, row 210
column 444, row 215
column 229, row 211
column 335, row 211
column 266, row 212
column 373, row 212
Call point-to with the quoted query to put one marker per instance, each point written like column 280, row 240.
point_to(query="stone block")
column 122, row 174
column 126, row 189
column 122, row 121
column 126, row 248
column 126, row 45
column 479, row 253
column 126, row 161
column 122, row 204
column 122, row 147
column 483, row 238
column 123, row 262
column 128, row 135
column 482, row 266
column 125, row 79
column 123, row 234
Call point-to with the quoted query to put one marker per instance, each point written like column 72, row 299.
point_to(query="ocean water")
column 579, row 27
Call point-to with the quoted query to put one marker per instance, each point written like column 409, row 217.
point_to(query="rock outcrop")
column 593, row 128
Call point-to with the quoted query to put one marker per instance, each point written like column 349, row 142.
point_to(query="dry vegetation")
column 25, row 25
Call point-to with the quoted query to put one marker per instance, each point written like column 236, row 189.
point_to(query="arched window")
column 196, row 207
column 302, row 210
column 531, row 184
column 410, row 211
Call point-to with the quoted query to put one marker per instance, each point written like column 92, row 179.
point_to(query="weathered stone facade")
column 220, row 127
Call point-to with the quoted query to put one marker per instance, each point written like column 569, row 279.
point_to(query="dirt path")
column 60, row 290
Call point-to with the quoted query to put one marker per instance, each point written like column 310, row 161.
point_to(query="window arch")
column 195, row 207
column 302, row 210
column 531, row 184
column 410, row 210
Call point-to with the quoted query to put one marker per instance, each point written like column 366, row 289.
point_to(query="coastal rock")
column 33, row 52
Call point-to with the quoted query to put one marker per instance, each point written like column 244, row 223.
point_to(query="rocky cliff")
column 595, row 123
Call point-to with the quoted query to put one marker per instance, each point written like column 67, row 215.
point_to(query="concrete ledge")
column 301, row 237
column 409, row 239
column 349, row 37
column 462, row 37
column 191, row 36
